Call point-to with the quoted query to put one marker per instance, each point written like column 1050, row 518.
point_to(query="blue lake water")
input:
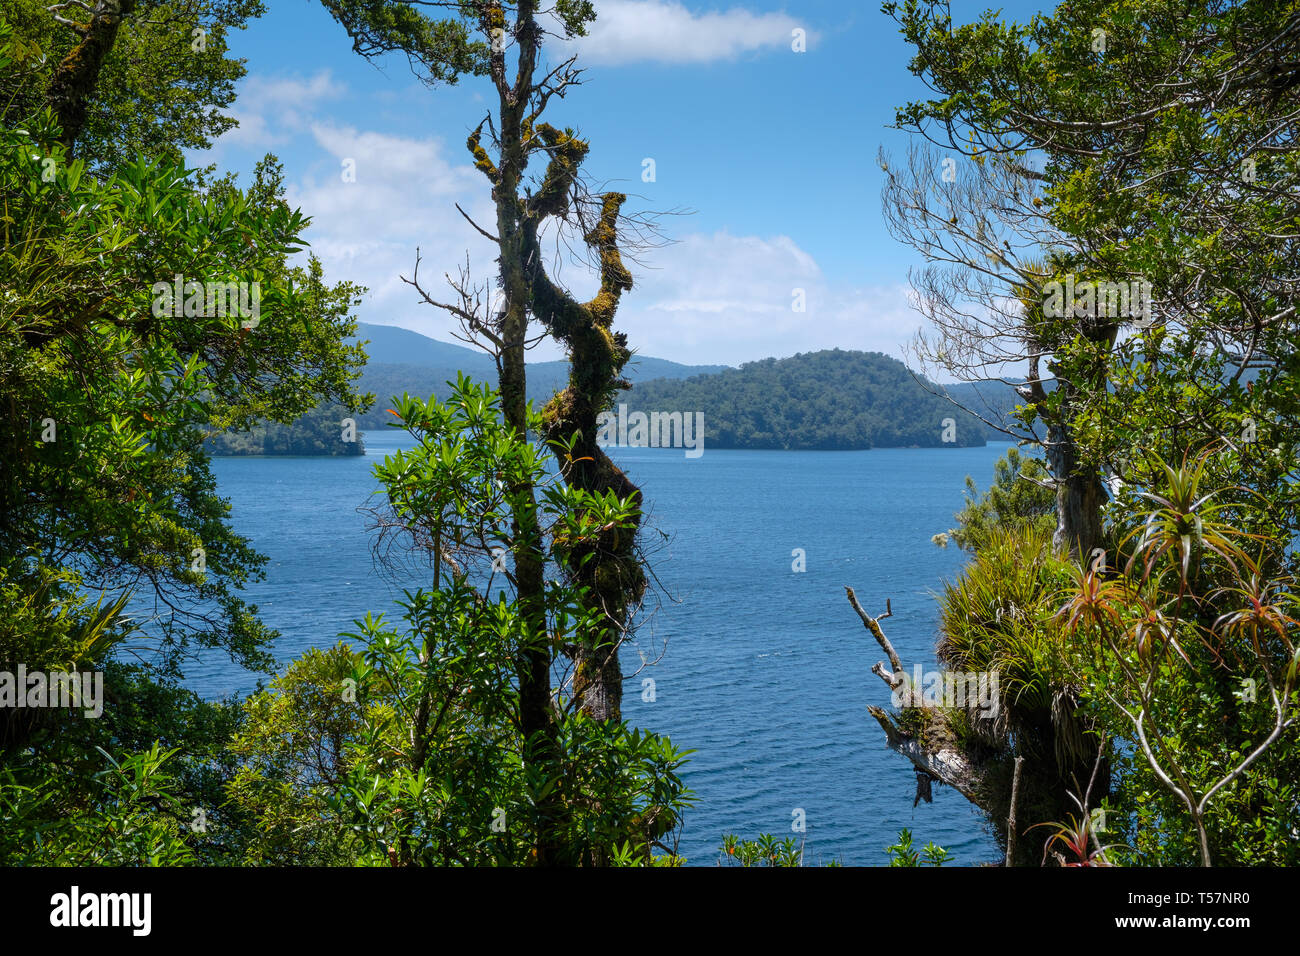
column 765, row 672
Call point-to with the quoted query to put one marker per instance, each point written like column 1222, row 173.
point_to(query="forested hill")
column 830, row 400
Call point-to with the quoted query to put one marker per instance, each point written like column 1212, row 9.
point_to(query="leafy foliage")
column 1019, row 497
column 165, row 86
column 116, row 823
column 1164, row 153
column 1189, row 652
column 111, row 482
column 902, row 853
column 105, row 490
column 293, row 752
column 766, row 850
column 427, row 765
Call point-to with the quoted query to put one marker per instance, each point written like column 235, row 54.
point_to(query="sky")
column 768, row 154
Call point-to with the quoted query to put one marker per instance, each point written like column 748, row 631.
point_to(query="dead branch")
column 944, row 763
column 872, row 624
column 1011, row 817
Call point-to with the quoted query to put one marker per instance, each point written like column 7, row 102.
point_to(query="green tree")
column 477, row 37
column 109, row 384
column 127, row 78
column 116, row 823
column 1162, row 139
column 1020, row 498
column 294, row 753
column 1162, row 136
column 110, row 481
column 430, row 765
column 1190, row 654
column 442, row 50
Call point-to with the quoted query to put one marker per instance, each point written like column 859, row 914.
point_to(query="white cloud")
column 665, row 31
column 725, row 299
column 271, row 110
column 404, row 196
column 707, row 299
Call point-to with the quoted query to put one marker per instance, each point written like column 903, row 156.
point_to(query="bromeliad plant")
column 442, row 771
column 1189, row 649
column 1079, row 836
column 1076, row 838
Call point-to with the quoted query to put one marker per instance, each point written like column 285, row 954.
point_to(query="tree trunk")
column 1080, row 495
column 533, row 665
column 74, row 80
column 984, row 775
column 610, row 569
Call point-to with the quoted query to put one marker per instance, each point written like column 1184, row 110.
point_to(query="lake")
column 765, row 671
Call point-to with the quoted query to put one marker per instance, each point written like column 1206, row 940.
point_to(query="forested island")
column 400, row 361
column 834, row 400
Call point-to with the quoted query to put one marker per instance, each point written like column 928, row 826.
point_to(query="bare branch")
column 872, row 624
column 483, row 232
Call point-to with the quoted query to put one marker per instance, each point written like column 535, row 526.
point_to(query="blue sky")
column 773, row 151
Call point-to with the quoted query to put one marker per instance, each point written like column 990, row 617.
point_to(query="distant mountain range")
column 390, row 345
column 406, row 361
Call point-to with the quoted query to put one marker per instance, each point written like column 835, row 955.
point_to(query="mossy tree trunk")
column 1080, row 493
column 444, row 50
column 73, row 82
column 610, row 569
column 533, row 664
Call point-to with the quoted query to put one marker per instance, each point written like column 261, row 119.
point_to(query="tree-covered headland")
column 1133, row 584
